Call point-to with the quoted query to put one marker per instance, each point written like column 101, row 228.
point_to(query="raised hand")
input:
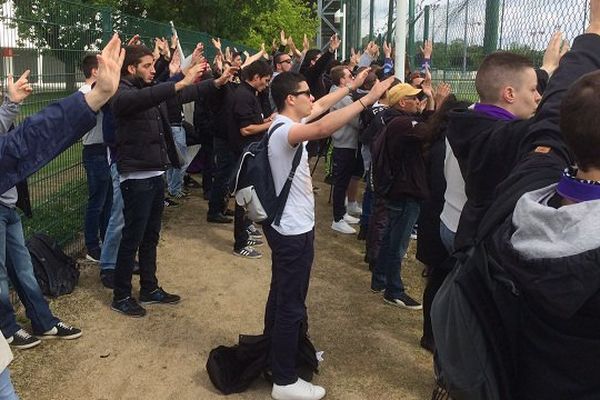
column 557, row 47
column 334, row 42
column 228, row 73
column 427, row 49
column 387, row 50
column 174, row 41
column 296, row 53
column 594, row 26
column 305, row 44
column 134, row 41
column 377, row 91
column 360, row 78
column 217, row 44
column 19, row 90
column 191, row 75
column 354, row 58
column 282, row 38
column 198, row 53
column 175, row 64
column 442, row 92
column 109, row 74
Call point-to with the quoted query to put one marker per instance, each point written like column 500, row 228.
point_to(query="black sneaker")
column 93, row 255
column 128, row 306
column 158, row 296
column 253, row 232
column 170, row 203
column 362, row 233
column 188, row 181
column 61, row 331
column 107, row 277
column 247, row 252
column 254, row 242
column 23, row 340
column 404, row 301
column 218, row 219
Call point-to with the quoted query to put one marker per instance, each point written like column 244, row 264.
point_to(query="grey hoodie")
column 347, row 136
column 542, row 231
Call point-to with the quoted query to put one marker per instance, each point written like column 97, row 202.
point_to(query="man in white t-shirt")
column 291, row 241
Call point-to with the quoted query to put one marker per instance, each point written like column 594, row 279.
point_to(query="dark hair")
column 283, row 85
column 133, row 56
column 276, row 57
column 369, row 81
column 337, row 73
column 497, row 70
column 580, row 119
column 89, row 63
column 234, row 54
column 437, row 123
column 258, row 67
column 331, row 65
column 311, row 54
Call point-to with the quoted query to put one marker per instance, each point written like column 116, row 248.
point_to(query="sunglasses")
column 306, row 92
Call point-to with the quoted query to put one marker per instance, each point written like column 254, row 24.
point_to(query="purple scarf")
column 577, row 190
column 495, row 112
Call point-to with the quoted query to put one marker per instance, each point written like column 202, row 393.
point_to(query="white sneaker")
column 351, row 220
column 342, row 227
column 354, row 208
column 300, row 390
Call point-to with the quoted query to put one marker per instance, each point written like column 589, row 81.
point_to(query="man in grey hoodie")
column 345, row 156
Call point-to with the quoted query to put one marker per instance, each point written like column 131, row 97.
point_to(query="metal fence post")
column 107, row 25
column 411, row 48
column 390, row 20
column 492, row 17
column 426, row 23
column 371, row 18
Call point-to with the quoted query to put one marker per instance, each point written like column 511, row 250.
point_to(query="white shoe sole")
column 54, row 337
column 400, row 304
column 90, row 258
column 352, row 232
column 26, row 346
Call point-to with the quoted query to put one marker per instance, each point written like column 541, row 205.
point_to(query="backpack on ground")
column 56, row 272
column 253, row 184
column 232, row 369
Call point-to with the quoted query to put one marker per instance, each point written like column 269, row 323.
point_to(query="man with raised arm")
column 291, row 241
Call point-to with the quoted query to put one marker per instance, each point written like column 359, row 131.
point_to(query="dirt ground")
column 371, row 349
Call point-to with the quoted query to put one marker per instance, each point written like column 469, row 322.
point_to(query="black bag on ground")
column 252, row 182
column 232, row 369
column 56, row 272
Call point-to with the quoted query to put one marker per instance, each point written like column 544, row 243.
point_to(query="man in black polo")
column 248, row 125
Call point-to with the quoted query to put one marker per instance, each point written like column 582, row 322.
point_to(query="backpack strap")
column 285, row 191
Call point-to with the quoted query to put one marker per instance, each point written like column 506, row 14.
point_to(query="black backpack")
column 56, row 272
column 381, row 170
column 252, row 182
column 232, row 369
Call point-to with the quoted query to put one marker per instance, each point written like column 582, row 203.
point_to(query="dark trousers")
column 224, row 160
column 240, row 224
column 292, row 258
column 99, row 183
column 142, row 211
column 344, row 164
column 435, row 279
column 207, row 168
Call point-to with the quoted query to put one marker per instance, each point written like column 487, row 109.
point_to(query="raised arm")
column 335, row 120
column 15, row 94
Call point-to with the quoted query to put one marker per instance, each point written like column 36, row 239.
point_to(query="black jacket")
column 144, row 137
column 487, row 149
column 314, row 74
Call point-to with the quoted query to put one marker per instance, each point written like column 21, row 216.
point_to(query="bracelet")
column 362, row 104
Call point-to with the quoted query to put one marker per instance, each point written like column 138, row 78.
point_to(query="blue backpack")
column 253, row 186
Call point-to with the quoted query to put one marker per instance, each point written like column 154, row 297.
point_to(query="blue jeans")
column 7, row 391
column 98, row 207
column 175, row 175
column 447, row 237
column 112, row 238
column 15, row 263
column 143, row 202
column 402, row 216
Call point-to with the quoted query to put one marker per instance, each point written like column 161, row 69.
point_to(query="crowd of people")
column 434, row 166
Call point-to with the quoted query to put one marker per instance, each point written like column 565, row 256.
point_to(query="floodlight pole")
column 401, row 20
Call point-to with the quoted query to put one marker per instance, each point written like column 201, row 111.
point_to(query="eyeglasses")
column 306, row 92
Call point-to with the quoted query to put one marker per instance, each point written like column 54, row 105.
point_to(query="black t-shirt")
column 246, row 110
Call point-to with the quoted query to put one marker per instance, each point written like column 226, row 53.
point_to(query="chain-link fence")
column 464, row 31
column 51, row 37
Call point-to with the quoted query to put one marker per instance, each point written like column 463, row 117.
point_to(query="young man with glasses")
column 291, row 241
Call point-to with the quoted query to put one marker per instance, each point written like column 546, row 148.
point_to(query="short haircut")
column 283, row 85
column 337, row 73
column 89, row 63
column 277, row 58
column 498, row 70
column 258, row 67
column 234, row 54
column 312, row 54
column 580, row 119
column 133, row 56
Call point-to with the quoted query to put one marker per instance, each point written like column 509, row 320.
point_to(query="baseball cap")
column 400, row 91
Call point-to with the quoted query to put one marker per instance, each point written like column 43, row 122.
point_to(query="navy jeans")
column 99, row 183
column 292, row 258
column 344, row 165
column 15, row 264
column 402, row 215
column 224, row 164
column 367, row 203
column 142, row 211
column 112, row 237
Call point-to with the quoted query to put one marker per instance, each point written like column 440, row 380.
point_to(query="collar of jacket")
column 135, row 81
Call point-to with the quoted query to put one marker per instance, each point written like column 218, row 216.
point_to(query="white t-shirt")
column 299, row 212
column 455, row 191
